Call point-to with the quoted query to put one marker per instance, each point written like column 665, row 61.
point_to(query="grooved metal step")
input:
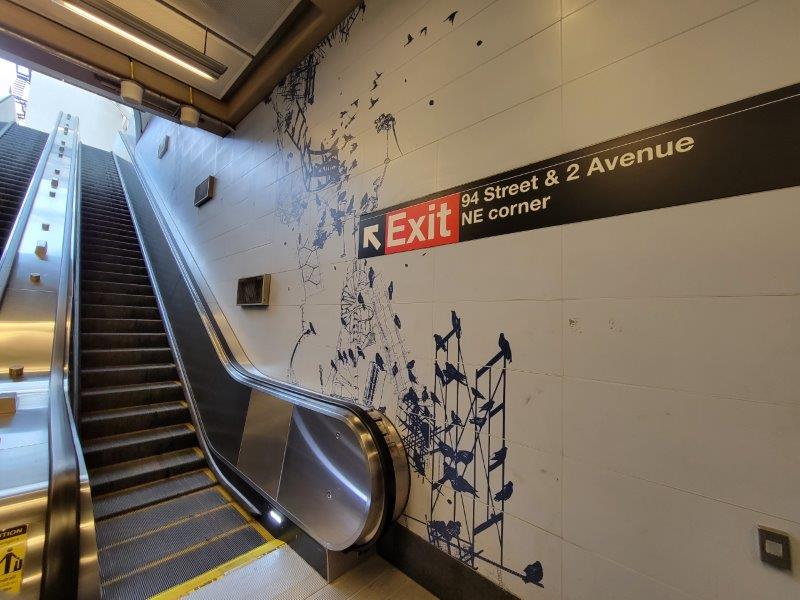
column 136, row 523
column 122, row 475
column 114, row 421
column 134, row 498
column 123, row 447
column 121, row 396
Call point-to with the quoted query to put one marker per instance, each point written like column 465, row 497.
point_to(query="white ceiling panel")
column 246, row 23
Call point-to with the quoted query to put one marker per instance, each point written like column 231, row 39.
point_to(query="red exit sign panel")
column 424, row 225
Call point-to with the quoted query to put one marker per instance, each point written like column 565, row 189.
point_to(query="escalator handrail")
column 61, row 551
column 8, row 254
column 285, row 391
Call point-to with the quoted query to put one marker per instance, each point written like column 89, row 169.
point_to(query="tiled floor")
column 283, row 575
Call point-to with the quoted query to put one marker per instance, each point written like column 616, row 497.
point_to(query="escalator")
column 161, row 516
column 20, row 149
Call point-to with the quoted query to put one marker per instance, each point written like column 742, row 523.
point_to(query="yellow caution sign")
column 12, row 558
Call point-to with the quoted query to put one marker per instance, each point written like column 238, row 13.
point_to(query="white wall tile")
column 697, row 545
column 738, row 347
column 608, row 30
column 737, row 451
column 527, row 132
column 518, row 266
column 697, row 70
column 710, row 248
column 588, row 576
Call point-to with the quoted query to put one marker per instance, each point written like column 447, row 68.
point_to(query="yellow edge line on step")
column 247, row 516
column 213, row 574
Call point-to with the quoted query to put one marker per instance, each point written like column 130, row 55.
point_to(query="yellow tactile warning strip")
column 213, row 574
column 248, row 517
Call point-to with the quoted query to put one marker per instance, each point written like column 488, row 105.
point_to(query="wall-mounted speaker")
column 205, row 191
column 253, row 291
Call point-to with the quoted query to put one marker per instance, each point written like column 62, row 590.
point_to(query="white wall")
column 100, row 119
column 652, row 405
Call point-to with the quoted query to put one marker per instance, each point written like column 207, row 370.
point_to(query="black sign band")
column 748, row 146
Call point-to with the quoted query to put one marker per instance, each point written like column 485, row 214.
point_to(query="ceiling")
column 222, row 56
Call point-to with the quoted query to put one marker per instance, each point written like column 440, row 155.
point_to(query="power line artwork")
column 465, row 422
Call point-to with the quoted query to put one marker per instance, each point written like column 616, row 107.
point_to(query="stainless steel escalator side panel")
column 369, row 482
column 266, row 433
column 345, row 501
column 41, row 475
column 26, row 337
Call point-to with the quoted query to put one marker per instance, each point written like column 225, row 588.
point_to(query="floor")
column 283, row 575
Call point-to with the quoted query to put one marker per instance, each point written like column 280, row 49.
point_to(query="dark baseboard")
column 440, row 574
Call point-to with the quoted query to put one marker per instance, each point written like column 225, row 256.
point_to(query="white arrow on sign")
column 370, row 238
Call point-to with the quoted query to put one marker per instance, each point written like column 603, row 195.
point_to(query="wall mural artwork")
column 454, row 430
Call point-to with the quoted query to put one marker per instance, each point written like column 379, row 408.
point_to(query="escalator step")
column 123, row 447
column 127, row 557
column 184, row 566
column 118, row 299
column 115, row 287
column 103, row 265
column 95, row 325
column 135, row 374
column 121, row 396
column 95, row 341
column 123, row 475
column 139, row 522
column 134, row 498
column 136, row 418
column 118, row 311
column 124, row 357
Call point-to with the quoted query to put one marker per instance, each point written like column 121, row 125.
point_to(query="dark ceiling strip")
column 213, row 32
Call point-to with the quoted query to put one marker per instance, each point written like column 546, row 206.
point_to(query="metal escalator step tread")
column 141, row 373
column 116, row 503
column 137, row 523
column 144, row 470
column 182, row 567
column 128, row 557
column 122, row 447
column 136, row 387
column 137, row 394
column 109, row 325
column 125, row 356
column 101, row 423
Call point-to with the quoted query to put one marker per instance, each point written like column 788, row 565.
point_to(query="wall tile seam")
column 363, row 56
column 668, row 486
column 323, row 123
column 653, row 45
column 687, row 391
column 603, row 557
column 575, row 10
column 723, row 397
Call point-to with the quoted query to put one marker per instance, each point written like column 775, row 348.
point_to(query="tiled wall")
column 651, row 397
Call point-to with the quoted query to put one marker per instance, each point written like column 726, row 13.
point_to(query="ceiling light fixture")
column 97, row 20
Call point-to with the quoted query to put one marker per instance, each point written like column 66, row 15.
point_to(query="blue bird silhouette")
column 505, row 493
column 505, row 347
